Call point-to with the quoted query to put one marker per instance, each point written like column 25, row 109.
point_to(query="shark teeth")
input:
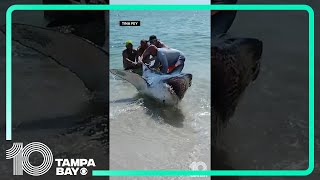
column 170, row 88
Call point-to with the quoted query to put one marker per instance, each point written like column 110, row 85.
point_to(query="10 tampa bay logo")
column 65, row 167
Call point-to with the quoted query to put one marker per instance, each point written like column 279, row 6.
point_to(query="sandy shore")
column 50, row 105
column 281, row 90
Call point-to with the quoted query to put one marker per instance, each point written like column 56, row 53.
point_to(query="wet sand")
column 281, row 89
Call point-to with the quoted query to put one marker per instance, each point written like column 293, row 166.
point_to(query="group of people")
column 165, row 59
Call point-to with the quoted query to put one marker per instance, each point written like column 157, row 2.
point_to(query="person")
column 153, row 40
column 143, row 46
column 166, row 59
column 221, row 21
column 129, row 56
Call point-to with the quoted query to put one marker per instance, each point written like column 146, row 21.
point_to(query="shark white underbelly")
column 165, row 88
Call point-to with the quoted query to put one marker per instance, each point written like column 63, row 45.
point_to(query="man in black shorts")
column 129, row 57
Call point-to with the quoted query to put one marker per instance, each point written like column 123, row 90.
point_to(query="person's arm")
column 156, row 64
column 163, row 45
column 139, row 54
column 146, row 53
column 132, row 62
column 125, row 58
column 164, row 62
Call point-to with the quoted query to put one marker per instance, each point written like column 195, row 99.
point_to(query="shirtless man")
column 143, row 46
column 154, row 41
column 128, row 56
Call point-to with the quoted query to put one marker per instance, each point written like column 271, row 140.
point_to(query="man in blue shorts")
column 166, row 59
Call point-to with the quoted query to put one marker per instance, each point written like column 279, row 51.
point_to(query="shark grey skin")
column 168, row 89
column 92, row 25
column 86, row 60
column 235, row 64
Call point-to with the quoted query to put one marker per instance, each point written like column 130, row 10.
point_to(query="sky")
column 160, row 2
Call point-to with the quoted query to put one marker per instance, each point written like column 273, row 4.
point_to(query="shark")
column 235, row 64
column 168, row 89
column 83, row 58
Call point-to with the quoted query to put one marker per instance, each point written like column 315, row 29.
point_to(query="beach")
column 269, row 129
column 144, row 134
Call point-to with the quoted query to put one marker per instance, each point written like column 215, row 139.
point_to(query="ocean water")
column 150, row 137
column 144, row 135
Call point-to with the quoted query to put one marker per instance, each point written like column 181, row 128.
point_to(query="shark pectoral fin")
column 133, row 78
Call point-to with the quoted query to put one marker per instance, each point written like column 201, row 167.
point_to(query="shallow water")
column 149, row 136
column 144, row 134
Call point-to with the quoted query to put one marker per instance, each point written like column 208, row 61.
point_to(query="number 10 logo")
column 21, row 155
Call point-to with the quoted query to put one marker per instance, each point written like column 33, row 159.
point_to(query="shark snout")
column 178, row 85
column 255, row 46
column 189, row 78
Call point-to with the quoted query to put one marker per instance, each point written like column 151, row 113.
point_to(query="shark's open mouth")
column 178, row 86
